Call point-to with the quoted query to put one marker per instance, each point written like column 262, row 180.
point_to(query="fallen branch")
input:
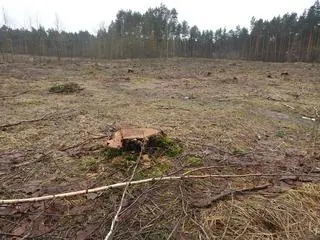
column 14, row 95
column 199, row 169
column 287, row 105
column 115, row 218
column 290, row 179
column 44, row 117
column 137, row 198
column 23, row 121
column 303, row 117
column 137, row 182
column 201, row 228
column 224, row 195
column 308, row 118
column 84, row 142
column 173, row 230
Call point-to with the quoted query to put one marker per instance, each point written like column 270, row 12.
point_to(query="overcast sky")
column 88, row 15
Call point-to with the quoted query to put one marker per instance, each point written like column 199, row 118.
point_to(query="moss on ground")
column 194, row 161
column 65, row 88
column 168, row 147
column 88, row 163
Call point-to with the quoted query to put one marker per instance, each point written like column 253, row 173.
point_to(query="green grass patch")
column 65, row 88
column 89, row 164
column 109, row 153
column 167, row 146
column 239, row 152
column 119, row 158
column 131, row 157
column 194, row 161
column 159, row 169
column 280, row 134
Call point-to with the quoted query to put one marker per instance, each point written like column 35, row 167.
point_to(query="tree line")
column 158, row 33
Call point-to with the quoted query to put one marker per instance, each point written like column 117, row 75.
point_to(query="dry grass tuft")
column 292, row 215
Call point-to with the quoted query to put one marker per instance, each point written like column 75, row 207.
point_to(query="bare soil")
column 240, row 117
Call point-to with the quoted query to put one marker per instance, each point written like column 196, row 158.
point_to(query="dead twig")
column 14, row 95
column 147, row 180
column 183, row 201
column 137, row 198
column 223, row 195
column 113, row 223
column 199, row 169
column 292, row 178
column 287, row 105
column 201, row 228
column 179, row 170
column 308, row 118
column 158, row 216
column 229, row 217
column 44, row 117
column 173, row 230
column 83, row 143
column 244, row 230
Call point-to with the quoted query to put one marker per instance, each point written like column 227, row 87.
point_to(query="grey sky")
column 89, row 14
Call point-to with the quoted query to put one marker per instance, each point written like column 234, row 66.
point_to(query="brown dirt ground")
column 236, row 118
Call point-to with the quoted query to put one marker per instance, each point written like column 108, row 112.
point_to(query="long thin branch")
column 137, row 198
column 287, row 105
column 113, row 223
column 23, row 121
column 228, row 193
column 199, row 169
column 14, row 95
column 84, row 142
column 137, row 182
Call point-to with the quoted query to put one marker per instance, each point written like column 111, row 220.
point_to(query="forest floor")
column 230, row 116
